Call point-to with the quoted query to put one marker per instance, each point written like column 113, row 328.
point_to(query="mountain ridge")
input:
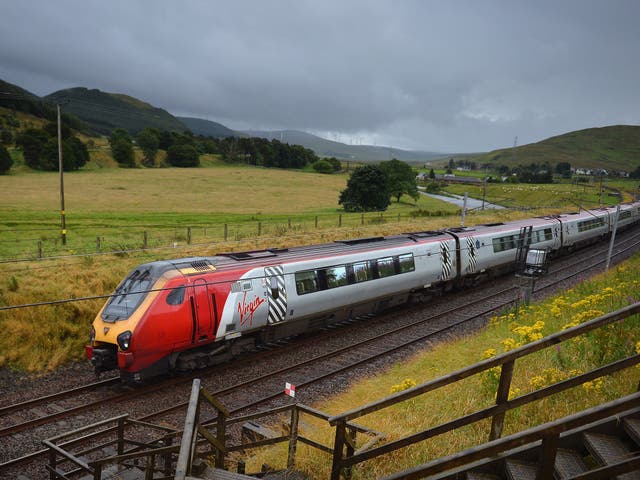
column 105, row 111
column 610, row 147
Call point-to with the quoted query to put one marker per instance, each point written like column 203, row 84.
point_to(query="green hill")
column 104, row 111
column 16, row 98
column 207, row 128
column 613, row 148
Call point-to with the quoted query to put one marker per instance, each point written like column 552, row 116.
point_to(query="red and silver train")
column 191, row 312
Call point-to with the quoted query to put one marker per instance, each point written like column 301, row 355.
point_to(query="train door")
column 203, row 311
column 277, row 293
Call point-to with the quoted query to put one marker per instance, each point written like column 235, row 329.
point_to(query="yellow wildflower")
column 537, row 382
column 406, row 384
column 488, row 353
column 508, row 344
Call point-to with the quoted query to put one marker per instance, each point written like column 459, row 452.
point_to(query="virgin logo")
column 246, row 310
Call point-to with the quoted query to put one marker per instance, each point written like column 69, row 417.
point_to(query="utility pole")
column 464, row 209
column 614, row 229
column 62, row 219
column 484, row 190
column 484, row 186
column 601, row 190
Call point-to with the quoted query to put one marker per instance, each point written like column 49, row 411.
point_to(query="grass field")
column 119, row 205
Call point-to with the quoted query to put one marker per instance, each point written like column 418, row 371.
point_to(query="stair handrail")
column 345, row 458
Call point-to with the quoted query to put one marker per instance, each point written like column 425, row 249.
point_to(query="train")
column 187, row 313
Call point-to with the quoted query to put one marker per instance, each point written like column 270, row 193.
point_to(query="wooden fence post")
column 502, row 396
column 316, row 221
column 188, row 235
column 39, row 248
column 289, row 224
column 362, row 219
column 144, row 240
column 293, row 440
column 259, row 228
column 225, row 232
column 97, row 244
column 340, row 220
column 338, row 450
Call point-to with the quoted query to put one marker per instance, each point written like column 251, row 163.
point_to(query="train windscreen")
column 129, row 294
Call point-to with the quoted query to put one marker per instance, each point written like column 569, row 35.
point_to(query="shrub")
column 183, row 156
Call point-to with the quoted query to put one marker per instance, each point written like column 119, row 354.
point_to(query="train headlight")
column 124, row 340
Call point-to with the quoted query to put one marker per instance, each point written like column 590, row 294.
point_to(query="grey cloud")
column 447, row 76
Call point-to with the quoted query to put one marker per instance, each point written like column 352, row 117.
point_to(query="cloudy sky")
column 446, row 75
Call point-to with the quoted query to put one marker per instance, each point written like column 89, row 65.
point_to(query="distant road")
column 472, row 203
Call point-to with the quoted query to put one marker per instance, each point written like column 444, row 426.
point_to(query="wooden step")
column 631, row 425
column 607, row 450
column 568, row 464
column 518, row 470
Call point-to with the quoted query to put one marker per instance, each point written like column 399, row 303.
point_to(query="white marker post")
column 290, row 389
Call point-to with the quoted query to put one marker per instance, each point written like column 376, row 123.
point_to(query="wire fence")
column 18, row 245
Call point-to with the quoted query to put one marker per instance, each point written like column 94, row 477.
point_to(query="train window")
column 590, row 224
column 336, row 276
column 406, row 263
column 362, row 272
column 624, row 214
column 176, row 296
column 386, row 267
column 501, row 244
column 307, row 282
column 541, row 235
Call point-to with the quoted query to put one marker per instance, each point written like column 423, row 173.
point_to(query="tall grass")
column 603, row 293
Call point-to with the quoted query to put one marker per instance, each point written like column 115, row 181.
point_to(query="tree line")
column 184, row 150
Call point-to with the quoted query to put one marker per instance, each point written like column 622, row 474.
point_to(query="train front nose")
column 103, row 358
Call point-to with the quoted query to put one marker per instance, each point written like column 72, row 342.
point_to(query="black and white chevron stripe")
column 277, row 307
column 473, row 261
column 445, row 256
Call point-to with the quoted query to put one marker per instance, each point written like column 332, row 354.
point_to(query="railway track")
column 376, row 342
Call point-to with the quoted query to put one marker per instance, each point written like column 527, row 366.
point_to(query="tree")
column 122, row 147
column 5, row 160
column 335, row 163
column 165, row 140
column 402, row 179
column 183, row 156
column 32, row 142
column 432, row 174
column 367, row 190
column 563, row 169
column 148, row 142
column 323, row 166
column 80, row 153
